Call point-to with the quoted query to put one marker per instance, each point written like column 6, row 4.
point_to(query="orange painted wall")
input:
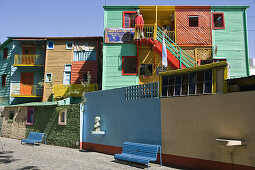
column 201, row 35
column 79, row 68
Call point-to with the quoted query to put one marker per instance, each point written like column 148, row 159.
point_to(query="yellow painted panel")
column 146, row 56
column 74, row 90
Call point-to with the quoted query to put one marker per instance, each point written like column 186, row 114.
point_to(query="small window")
column 11, row 116
column 193, row 21
column 62, row 117
column 145, row 69
column 69, row 45
column 178, row 83
column 129, row 65
column 208, row 82
column 68, row 67
column 129, row 19
column 5, row 53
column 30, row 116
column 218, row 21
column 48, row 77
column 50, row 45
column 192, row 83
column 4, row 79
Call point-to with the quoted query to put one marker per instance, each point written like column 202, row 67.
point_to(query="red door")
column 26, row 84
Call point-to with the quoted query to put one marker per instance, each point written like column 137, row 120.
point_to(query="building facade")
column 194, row 35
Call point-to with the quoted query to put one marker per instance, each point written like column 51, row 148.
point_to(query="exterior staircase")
column 177, row 58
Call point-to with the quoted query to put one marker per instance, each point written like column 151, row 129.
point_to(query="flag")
column 164, row 53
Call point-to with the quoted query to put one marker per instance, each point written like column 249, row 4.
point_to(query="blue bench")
column 139, row 153
column 34, row 137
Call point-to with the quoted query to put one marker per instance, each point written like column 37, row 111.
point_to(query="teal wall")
column 231, row 42
column 5, row 68
column 112, row 53
column 46, row 121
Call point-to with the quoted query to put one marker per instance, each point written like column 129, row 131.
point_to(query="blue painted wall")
column 123, row 120
column 5, row 68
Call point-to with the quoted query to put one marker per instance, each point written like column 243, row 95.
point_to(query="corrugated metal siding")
column 193, row 35
column 79, row 68
column 230, row 42
column 5, row 68
column 112, row 54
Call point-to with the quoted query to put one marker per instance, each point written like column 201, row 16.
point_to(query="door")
column 26, row 84
column 28, row 54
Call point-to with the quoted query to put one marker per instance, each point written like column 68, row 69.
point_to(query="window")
column 129, row 65
column 69, row 45
column 218, row 21
column 193, row 21
column 5, row 53
column 30, row 116
column 48, row 77
column 4, row 79
column 11, row 116
column 187, row 84
column 67, row 74
column 50, row 44
column 62, row 117
column 129, row 19
column 145, row 69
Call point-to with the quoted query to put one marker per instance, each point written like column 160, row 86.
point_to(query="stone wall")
column 17, row 128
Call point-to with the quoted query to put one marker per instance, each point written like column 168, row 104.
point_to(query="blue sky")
column 84, row 17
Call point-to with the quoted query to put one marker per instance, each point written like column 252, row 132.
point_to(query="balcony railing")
column 147, row 31
column 26, row 91
column 28, row 60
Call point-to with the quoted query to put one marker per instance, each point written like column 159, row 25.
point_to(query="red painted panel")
column 79, row 68
column 171, row 160
column 201, row 35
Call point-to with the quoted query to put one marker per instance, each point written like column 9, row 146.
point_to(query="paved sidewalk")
column 13, row 155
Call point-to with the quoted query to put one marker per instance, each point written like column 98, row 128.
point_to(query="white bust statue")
column 97, row 124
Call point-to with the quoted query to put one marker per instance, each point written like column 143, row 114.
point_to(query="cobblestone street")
column 14, row 155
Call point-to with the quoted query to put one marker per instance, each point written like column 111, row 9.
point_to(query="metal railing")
column 183, row 57
column 28, row 60
column 26, row 90
column 171, row 35
column 147, row 31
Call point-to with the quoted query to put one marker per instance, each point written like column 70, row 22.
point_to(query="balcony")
column 28, row 60
column 26, row 91
column 74, row 90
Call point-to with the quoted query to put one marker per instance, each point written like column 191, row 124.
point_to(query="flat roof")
column 179, row 6
column 194, row 69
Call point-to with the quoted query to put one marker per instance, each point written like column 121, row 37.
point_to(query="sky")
column 81, row 18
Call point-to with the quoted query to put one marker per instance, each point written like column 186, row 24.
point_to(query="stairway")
column 177, row 58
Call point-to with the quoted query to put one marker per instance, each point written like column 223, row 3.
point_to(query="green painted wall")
column 231, row 42
column 112, row 53
column 46, row 121
column 5, row 68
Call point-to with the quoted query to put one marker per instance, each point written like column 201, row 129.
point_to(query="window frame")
column 46, row 78
column 67, row 48
column 197, row 20
column 123, row 18
column 11, row 120
column 29, row 116
column 213, row 26
column 4, row 77
column 48, row 48
column 5, row 55
column 59, row 117
column 129, row 74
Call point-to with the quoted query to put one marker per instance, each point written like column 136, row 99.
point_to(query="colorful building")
column 195, row 35
column 22, row 70
column 68, row 61
column 30, row 68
